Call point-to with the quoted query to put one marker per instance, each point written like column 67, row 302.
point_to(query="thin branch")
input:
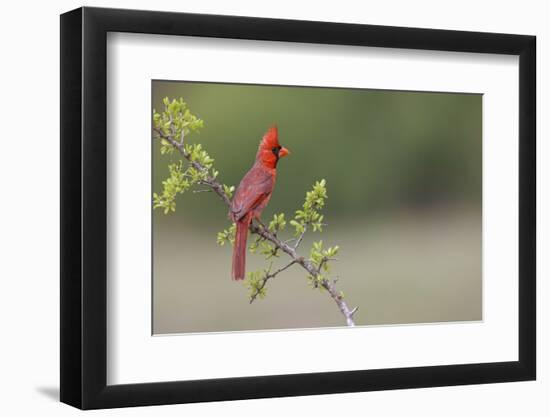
column 267, row 277
column 301, row 237
column 182, row 137
column 262, row 231
column 339, row 300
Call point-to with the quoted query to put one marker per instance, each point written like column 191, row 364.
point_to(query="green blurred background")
column 403, row 173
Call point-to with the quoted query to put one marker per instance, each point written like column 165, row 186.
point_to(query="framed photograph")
column 258, row 208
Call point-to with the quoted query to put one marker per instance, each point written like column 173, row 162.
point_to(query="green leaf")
column 227, row 189
column 227, row 236
column 277, row 223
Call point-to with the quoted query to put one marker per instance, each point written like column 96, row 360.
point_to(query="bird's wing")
column 256, row 185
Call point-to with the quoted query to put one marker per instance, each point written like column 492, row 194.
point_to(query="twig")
column 263, row 231
column 301, row 237
column 267, row 277
column 182, row 136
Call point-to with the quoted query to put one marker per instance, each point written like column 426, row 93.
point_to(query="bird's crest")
column 270, row 139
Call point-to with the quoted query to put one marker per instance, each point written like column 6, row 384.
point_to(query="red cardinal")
column 253, row 194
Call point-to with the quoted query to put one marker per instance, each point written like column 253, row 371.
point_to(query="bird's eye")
column 276, row 150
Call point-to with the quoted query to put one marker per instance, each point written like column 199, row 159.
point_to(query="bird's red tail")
column 239, row 248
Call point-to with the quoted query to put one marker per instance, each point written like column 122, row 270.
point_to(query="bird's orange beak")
column 283, row 152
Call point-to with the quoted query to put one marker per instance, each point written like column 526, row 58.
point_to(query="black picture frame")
column 84, row 207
